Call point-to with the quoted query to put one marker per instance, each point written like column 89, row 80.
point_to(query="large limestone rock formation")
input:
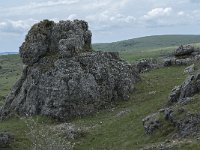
column 63, row 77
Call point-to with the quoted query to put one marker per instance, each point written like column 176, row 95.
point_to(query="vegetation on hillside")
column 117, row 128
column 147, row 43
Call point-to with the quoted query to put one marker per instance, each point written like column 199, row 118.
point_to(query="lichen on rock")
column 63, row 77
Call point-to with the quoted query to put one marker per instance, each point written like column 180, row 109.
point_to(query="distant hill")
column 147, row 43
column 8, row 53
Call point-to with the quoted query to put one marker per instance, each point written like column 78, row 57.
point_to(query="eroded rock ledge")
column 63, row 77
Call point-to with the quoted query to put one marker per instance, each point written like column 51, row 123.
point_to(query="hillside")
column 116, row 128
column 113, row 129
column 148, row 43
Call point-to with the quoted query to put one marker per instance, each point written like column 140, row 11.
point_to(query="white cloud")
column 39, row 7
column 105, row 17
column 158, row 12
column 54, row 3
column 72, row 17
column 181, row 13
column 16, row 26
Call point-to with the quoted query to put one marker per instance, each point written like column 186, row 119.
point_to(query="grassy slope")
column 111, row 130
column 147, row 43
column 151, row 46
column 9, row 73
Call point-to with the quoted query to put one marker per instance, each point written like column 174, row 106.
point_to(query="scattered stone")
column 63, row 77
column 180, row 115
column 184, row 55
column 197, row 57
column 144, row 65
column 122, row 113
column 190, row 69
column 151, row 123
column 189, row 88
column 167, row 62
column 5, row 139
column 152, row 93
column 174, row 95
column 185, row 101
column 69, row 131
column 186, row 61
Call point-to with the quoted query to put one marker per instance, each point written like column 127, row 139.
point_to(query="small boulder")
column 167, row 62
column 144, row 65
column 184, row 50
column 185, row 61
column 151, row 123
column 190, row 69
column 175, row 93
column 5, row 139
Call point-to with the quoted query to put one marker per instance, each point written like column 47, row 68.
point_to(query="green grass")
column 150, row 46
column 9, row 73
column 108, row 129
column 127, row 132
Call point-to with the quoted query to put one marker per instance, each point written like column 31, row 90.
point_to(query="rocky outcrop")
column 183, row 55
column 184, row 50
column 189, row 88
column 182, row 112
column 62, row 76
column 185, row 121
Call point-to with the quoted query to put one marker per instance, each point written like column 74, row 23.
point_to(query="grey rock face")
column 63, row 78
column 184, row 50
column 5, row 139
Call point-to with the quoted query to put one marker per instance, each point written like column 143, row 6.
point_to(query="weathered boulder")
column 183, row 55
column 63, row 78
column 151, row 123
column 190, row 69
column 147, row 64
column 185, row 61
column 189, row 88
column 167, row 62
column 184, row 50
column 5, row 139
column 175, row 94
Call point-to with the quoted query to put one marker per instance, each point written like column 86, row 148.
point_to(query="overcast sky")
column 109, row 20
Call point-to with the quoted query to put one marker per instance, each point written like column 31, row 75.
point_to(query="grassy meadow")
column 119, row 128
